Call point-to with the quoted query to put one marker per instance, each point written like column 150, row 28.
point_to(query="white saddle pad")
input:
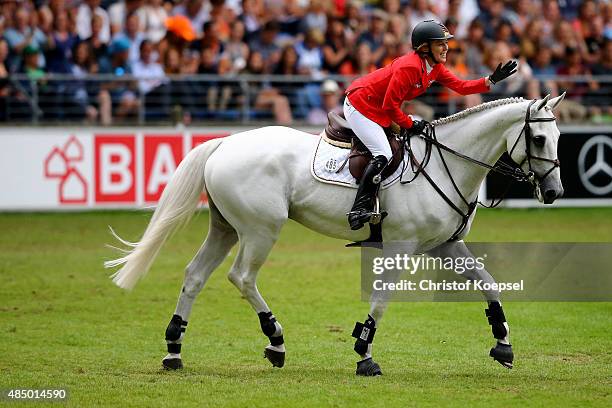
column 328, row 159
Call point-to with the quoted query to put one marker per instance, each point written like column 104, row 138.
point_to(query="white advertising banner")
column 95, row 168
column 54, row 169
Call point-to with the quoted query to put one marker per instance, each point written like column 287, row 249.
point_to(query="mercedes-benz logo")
column 600, row 143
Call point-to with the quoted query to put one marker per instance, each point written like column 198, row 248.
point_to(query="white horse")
column 257, row 179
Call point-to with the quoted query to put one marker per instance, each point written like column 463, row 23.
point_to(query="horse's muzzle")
column 549, row 195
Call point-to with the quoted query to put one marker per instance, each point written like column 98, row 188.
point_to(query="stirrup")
column 375, row 239
column 373, row 217
column 376, row 216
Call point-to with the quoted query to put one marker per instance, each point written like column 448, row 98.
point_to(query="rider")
column 373, row 102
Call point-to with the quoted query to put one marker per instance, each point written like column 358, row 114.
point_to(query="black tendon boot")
column 272, row 328
column 174, row 336
column 502, row 352
column 364, row 333
column 368, row 185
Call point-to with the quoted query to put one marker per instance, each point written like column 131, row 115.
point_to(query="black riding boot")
column 364, row 202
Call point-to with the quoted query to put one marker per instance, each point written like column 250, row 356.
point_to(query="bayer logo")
column 594, row 165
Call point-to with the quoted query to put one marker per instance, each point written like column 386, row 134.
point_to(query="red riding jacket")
column 379, row 95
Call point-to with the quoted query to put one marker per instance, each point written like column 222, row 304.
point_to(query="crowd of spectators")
column 155, row 39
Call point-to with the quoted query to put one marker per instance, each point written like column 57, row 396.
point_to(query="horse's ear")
column 554, row 102
column 543, row 102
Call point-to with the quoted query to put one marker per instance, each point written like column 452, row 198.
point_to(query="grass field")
column 65, row 325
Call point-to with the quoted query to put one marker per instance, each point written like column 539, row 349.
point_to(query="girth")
column 339, row 133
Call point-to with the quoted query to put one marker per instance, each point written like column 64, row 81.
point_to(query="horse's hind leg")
column 254, row 249
column 221, row 237
column 364, row 332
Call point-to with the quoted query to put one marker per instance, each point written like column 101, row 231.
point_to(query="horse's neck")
column 482, row 137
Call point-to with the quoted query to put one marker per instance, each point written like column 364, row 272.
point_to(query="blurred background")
column 104, row 62
column 103, row 96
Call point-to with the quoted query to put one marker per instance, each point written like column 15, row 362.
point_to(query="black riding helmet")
column 429, row 30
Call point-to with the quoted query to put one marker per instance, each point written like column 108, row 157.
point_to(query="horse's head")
column 535, row 149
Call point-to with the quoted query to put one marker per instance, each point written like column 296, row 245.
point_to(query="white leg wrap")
column 279, row 329
column 280, row 349
column 505, row 340
column 368, row 353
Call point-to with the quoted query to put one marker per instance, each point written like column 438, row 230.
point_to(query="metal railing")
column 246, row 99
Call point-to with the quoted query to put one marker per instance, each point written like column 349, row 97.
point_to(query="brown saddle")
column 340, row 133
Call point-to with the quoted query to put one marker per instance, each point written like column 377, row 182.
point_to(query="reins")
column 515, row 173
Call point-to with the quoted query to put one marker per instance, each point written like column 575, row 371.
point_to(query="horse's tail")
column 177, row 204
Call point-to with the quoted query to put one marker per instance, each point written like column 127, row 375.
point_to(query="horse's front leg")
column 502, row 351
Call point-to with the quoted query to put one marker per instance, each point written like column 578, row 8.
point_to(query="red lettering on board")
column 162, row 155
column 115, row 174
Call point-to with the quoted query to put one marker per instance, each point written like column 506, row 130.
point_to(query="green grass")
column 64, row 324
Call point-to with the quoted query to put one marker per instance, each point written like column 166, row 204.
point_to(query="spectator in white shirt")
column 119, row 11
column 316, row 16
column 152, row 73
column 153, row 84
column 310, row 54
column 421, row 12
column 133, row 34
column 83, row 20
column 154, row 20
column 310, row 62
column 20, row 35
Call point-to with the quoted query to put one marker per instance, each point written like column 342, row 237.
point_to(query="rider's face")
column 439, row 48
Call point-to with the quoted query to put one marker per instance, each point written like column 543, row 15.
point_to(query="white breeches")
column 369, row 132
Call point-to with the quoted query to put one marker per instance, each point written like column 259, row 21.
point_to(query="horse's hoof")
column 502, row 353
column 172, row 363
column 368, row 368
column 277, row 358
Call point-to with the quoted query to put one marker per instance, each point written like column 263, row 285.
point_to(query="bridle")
column 531, row 174
column 516, row 173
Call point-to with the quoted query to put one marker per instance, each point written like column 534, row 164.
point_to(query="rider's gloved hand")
column 418, row 126
column 504, row 72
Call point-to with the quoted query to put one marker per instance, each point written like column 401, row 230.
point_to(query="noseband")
column 516, row 173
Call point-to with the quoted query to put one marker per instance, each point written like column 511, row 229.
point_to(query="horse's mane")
column 475, row 109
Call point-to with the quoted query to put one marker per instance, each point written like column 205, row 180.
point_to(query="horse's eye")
column 539, row 141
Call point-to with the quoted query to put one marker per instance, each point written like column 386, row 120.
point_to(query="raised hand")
column 504, row 72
